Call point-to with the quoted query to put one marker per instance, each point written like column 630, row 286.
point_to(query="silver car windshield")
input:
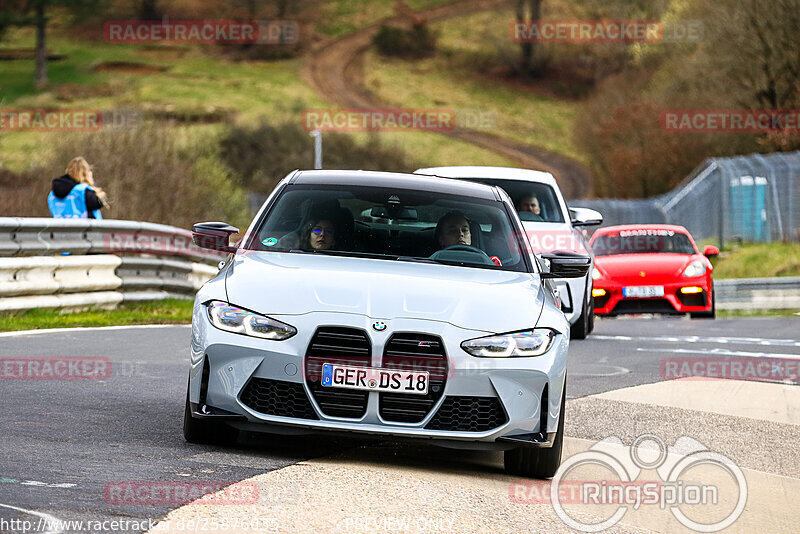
column 393, row 224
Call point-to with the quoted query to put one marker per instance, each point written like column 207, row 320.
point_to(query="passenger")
column 319, row 234
column 75, row 195
column 453, row 229
column 529, row 203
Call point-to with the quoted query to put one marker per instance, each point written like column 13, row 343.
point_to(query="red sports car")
column 652, row 268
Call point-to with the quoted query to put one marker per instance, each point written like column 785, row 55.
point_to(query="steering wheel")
column 466, row 248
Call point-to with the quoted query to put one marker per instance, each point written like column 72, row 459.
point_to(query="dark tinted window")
column 526, row 196
column 384, row 223
column 642, row 242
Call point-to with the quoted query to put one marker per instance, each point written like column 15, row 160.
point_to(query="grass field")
column 168, row 311
column 192, row 83
column 451, row 80
column 758, row 260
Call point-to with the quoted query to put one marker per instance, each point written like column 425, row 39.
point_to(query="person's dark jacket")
column 64, row 184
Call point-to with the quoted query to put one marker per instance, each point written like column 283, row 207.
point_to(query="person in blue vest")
column 74, row 195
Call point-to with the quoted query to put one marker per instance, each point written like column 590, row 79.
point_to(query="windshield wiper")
column 416, row 260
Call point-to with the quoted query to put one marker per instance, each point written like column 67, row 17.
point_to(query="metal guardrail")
column 758, row 293
column 40, row 236
column 77, row 263
column 111, row 261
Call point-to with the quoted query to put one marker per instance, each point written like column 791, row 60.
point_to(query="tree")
column 527, row 11
column 35, row 13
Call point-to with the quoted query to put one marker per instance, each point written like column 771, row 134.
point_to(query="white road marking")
column 88, row 328
column 46, row 484
column 616, row 371
column 699, row 339
column 725, row 352
column 49, row 520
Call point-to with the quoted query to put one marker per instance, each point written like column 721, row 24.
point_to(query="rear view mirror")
column 214, row 236
column 585, row 217
column 382, row 212
column 566, row 265
column 710, row 251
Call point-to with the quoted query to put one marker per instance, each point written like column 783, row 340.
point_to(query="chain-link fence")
column 752, row 198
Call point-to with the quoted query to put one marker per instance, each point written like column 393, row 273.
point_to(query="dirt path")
column 335, row 68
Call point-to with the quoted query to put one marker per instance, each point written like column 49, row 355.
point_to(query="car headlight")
column 596, row 274
column 530, row 343
column 696, row 268
column 239, row 321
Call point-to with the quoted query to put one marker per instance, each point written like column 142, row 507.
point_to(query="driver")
column 529, row 203
column 453, row 229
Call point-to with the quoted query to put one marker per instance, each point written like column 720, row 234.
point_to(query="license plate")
column 643, row 291
column 374, row 379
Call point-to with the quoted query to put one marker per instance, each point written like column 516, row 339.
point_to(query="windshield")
column 534, row 201
column 392, row 224
column 642, row 242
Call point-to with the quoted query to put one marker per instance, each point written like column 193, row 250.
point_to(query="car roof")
column 623, row 227
column 395, row 179
column 506, row 173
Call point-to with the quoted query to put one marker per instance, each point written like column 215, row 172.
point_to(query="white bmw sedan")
column 428, row 317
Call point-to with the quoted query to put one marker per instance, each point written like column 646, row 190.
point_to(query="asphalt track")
column 63, row 442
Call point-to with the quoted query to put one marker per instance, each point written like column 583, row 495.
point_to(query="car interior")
column 365, row 227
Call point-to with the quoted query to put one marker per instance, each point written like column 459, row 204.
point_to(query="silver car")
column 551, row 226
column 437, row 323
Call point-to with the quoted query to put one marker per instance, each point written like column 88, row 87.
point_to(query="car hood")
column 632, row 265
column 293, row 284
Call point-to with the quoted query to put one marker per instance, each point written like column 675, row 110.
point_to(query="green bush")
column 150, row 174
column 418, row 42
column 261, row 155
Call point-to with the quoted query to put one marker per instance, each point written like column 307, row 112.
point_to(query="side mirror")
column 585, row 217
column 710, row 251
column 214, row 236
column 567, row 265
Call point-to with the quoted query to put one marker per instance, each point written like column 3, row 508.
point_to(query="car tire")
column 591, row 316
column 709, row 314
column 538, row 463
column 581, row 327
column 204, row 432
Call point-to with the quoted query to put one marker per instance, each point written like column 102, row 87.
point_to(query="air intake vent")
column 343, row 346
column 414, row 352
column 275, row 397
column 469, row 414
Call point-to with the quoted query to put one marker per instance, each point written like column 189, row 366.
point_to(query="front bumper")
column 612, row 301
column 500, row 399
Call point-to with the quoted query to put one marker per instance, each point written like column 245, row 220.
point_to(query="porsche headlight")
column 596, row 274
column 696, row 268
column 239, row 321
column 518, row 344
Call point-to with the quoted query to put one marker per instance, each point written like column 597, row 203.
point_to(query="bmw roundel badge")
column 380, row 326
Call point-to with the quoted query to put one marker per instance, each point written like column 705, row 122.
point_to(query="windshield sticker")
column 270, row 241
